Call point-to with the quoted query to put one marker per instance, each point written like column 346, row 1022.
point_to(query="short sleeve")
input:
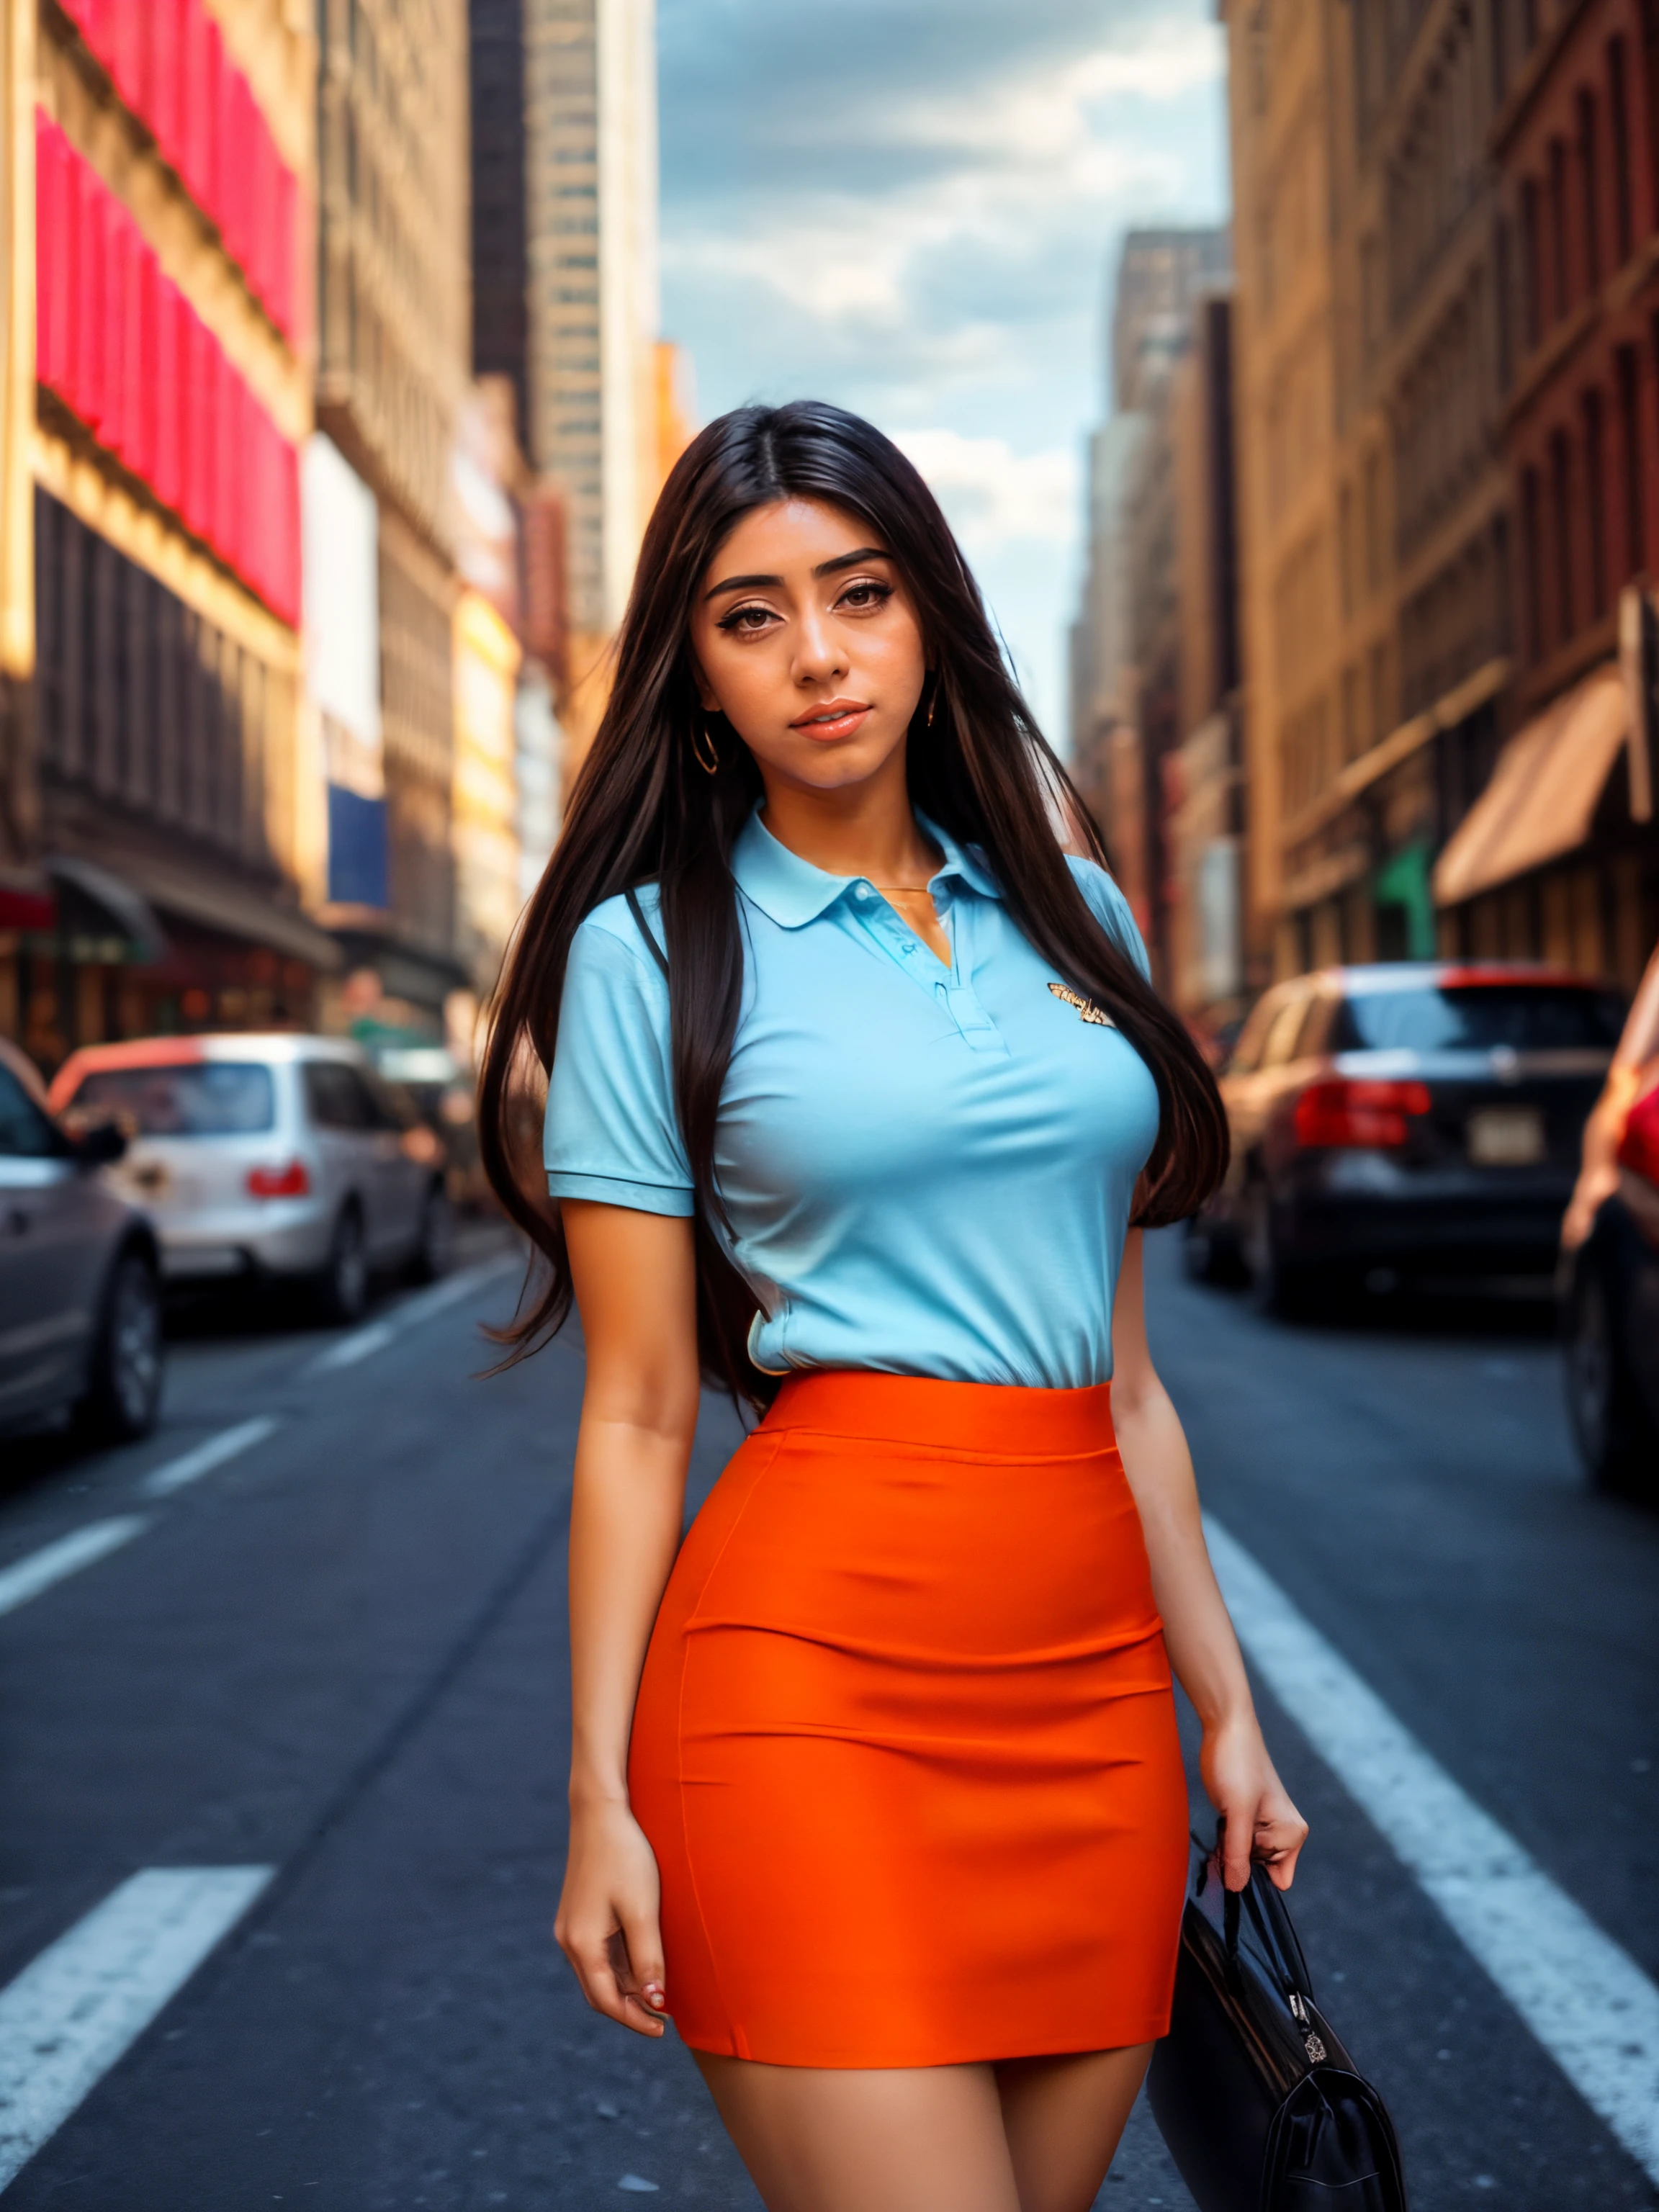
column 612, row 1133
column 1111, row 910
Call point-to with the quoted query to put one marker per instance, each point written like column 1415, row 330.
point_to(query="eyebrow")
column 824, row 568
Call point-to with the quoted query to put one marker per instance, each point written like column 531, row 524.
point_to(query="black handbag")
column 1260, row 2106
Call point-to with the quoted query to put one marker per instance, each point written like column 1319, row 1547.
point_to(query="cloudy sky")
column 911, row 207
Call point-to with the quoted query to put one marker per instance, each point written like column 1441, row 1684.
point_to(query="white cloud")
column 994, row 497
column 911, row 209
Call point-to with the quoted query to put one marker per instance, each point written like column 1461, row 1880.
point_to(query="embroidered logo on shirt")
column 1087, row 1010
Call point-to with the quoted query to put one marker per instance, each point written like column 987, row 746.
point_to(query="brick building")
column 1559, row 858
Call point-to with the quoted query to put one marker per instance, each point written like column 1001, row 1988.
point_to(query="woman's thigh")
column 889, row 2139
column 1062, row 2118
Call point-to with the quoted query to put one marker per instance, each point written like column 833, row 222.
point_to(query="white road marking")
column 347, row 1351
column 27, row 1577
column 80, row 2007
column 1586, row 2000
column 362, row 1343
column 191, row 1466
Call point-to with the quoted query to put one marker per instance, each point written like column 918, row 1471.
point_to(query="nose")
column 818, row 654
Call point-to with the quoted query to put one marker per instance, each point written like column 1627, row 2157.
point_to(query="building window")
column 1589, row 199
column 1532, row 554
column 1345, row 548
column 1372, row 488
column 1630, row 458
column 1532, row 255
column 1624, row 214
column 1595, row 502
column 1379, row 688
column 1561, row 531
column 1561, row 295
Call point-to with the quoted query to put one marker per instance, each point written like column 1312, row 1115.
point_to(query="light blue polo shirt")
column 927, row 1172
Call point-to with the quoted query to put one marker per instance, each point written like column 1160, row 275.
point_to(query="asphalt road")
column 338, row 1655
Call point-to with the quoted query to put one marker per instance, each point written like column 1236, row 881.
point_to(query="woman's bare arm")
column 1261, row 1821
column 635, row 1289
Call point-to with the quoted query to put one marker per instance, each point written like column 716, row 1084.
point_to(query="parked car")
column 1407, row 1121
column 1609, row 1280
column 277, row 1157
column 79, row 1273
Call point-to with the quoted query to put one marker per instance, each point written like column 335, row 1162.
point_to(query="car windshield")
column 1477, row 1017
column 206, row 1098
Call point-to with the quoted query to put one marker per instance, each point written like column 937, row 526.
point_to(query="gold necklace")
column 901, row 891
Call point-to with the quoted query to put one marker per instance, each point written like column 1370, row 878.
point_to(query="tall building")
column 500, row 214
column 1557, row 854
column 591, row 159
column 1423, row 502
column 1445, row 218
column 158, row 828
column 394, row 360
column 1202, row 789
column 1127, row 610
column 1288, row 154
column 20, row 903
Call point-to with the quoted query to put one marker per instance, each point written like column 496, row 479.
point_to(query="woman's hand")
column 607, row 1924
column 1259, row 1822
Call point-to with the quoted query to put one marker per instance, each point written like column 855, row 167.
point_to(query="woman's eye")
column 870, row 594
column 747, row 621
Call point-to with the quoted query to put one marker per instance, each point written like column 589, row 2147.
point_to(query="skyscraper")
column 590, row 191
column 394, row 344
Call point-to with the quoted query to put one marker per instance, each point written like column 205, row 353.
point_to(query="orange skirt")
column 905, row 1743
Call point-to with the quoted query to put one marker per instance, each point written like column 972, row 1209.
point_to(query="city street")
column 317, row 1635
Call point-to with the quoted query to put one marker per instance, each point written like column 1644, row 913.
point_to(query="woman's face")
column 806, row 641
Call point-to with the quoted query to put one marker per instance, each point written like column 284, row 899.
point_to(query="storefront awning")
column 131, row 892
column 124, row 912
column 214, row 902
column 1543, row 793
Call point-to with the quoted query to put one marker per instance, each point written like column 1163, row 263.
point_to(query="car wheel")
column 343, row 1290
column 124, row 1388
column 1616, row 1441
column 435, row 1248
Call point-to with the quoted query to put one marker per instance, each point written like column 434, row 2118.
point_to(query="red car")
column 1403, row 1122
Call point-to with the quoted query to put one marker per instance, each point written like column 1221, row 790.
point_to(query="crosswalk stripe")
column 1586, row 2000
column 80, row 2007
column 191, row 1466
column 38, row 1571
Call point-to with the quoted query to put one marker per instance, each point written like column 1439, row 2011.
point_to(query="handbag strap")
column 646, row 930
column 1269, row 1917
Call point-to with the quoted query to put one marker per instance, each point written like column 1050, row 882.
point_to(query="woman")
column 855, row 1079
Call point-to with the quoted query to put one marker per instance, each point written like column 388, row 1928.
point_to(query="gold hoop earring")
column 701, row 735
column 932, row 706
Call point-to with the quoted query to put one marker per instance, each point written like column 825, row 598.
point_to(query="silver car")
column 268, row 1156
column 80, row 1294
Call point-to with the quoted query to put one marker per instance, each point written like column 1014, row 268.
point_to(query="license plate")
column 1506, row 1137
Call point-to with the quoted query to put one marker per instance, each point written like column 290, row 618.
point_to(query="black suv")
column 1406, row 1121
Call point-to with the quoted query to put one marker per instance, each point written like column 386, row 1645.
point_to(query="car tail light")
column 289, row 1181
column 1346, row 1113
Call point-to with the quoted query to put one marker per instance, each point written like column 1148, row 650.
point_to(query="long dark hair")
column 642, row 809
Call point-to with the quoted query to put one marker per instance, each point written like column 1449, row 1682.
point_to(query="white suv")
column 277, row 1155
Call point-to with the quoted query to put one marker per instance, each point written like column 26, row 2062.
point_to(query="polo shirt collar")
column 792, row 892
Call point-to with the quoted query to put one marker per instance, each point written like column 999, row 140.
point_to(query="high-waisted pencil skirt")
column 905, row 1743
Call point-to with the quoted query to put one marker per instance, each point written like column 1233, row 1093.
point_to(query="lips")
column 836, row 718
